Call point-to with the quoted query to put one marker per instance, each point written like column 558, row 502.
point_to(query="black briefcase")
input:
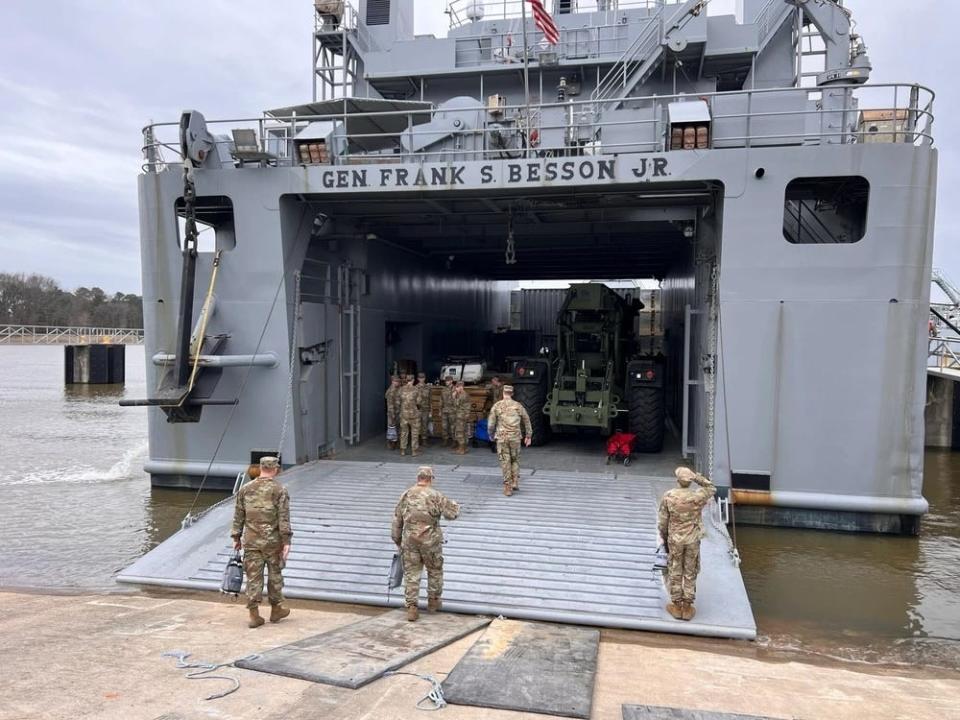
column 232, row 576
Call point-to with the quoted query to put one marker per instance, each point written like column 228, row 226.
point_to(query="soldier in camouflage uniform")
column 447, row 411
column 410, row 418
column 392, row 398
column 424, row 388
column 505, row 420
column 462, row 415
column 680, row 522
column 262, row 520
column 495, row 390
column 416, row 531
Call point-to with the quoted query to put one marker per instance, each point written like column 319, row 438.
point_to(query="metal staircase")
column 643, row 56
column 770, row 19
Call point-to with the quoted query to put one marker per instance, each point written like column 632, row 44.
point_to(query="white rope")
column 203, row 669
column 435, row 695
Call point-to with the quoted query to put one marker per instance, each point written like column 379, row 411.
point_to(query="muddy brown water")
column 76, row 507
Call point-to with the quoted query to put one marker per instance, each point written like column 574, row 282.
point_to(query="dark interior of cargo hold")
column 400, row 284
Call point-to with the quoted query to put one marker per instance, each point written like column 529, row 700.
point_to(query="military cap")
column 422, row 375
column 448, row 377
column 460, row 383
column 394, row 378
column 424, row 471
column 508, row 388
column 268, row 462
column 684, row 475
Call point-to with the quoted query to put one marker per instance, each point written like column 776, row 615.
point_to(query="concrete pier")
column 942, row 414
column 100, row 656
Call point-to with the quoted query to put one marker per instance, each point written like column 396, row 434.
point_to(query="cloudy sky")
column 79, row 79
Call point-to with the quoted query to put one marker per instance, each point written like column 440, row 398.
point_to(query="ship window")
column 826, row 210
column 214, row 223
column 378, row 12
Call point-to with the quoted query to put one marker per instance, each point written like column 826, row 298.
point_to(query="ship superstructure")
column 745, row 161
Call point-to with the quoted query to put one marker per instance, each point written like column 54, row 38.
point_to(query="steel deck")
column 570, row 547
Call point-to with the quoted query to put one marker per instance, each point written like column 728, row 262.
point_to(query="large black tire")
column 533, row 397
column 647, row 418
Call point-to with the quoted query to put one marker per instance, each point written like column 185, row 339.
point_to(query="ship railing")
column 63, row 335
column 505, row 47
column 571, row 128
column 463, row 12
column 944, row 353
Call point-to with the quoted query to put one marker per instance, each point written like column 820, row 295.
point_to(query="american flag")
column 544, row 22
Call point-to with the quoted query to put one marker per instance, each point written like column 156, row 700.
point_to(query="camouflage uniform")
column 505, row 420
column 680, row 522
column 262, row 516
column 424, row 389
column 462, row 412
column 494, row 393
column 409, row 418
column 392, row 397
column 447, row 411
column 416, row 531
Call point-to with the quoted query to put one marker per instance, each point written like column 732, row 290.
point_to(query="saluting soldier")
column 462, row 416
column 416, row 531
column 510, row 422
column 424, row 388
column 261, row 526
column 447, row 410
column 410, row 418
column 392, row 398
column 680, row 523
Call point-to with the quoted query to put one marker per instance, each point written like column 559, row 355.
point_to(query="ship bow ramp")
column 572, row 548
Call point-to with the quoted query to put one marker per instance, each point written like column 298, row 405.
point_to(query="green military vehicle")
column 596, row 379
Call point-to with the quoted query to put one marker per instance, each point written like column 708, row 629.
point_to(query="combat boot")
column 507, row 490
column 434, row 603
column 403, row 451
column 412, row 613
column 689, row 611
column 278, row 612
column 255, row 619
column 416, row 453
column 675, row 610
column 463, row 448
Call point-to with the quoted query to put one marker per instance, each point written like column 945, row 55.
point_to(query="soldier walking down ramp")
column 392, row 397
column 416, row 531
column 447, row 411
column 462, row 412
column 262, row 520
column 423, row 387
column 505, row 420
column 410, row 418
column 680, row 522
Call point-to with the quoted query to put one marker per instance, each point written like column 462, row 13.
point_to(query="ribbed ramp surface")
column 569, row 547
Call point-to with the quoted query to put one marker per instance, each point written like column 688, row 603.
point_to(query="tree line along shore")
column 39, row 300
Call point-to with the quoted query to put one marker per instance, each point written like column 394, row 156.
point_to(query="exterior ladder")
column 348, row 289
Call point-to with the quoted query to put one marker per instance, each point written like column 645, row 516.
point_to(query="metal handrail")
column 270, row 126
column 457, row 10
column 946, row 350
column 631, row 59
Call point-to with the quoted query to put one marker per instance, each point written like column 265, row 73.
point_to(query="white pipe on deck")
column 269, row 359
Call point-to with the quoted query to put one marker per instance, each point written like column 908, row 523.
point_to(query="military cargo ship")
column 746, row 162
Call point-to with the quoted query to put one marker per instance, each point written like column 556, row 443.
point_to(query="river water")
column 75, row 507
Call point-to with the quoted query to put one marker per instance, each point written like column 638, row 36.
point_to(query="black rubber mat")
column 528, row 667
column 652, row 712
column 354, row 655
